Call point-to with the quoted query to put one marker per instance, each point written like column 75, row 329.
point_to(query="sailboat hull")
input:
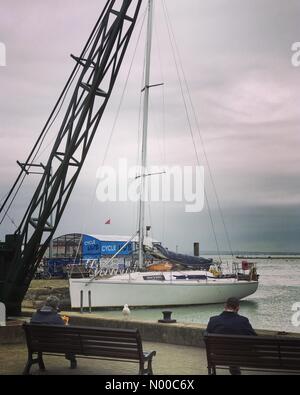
column 107, row 293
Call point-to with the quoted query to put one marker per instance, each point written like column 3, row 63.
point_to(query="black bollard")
column 167, row 318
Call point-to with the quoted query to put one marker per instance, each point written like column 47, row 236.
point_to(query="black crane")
column 95, row 73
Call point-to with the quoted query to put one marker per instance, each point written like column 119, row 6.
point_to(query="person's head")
column 232, row 304
column 52, row 301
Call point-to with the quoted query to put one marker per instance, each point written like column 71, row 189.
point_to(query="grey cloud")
column 237, row 59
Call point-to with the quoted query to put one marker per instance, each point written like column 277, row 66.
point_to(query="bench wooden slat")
column 61, row 338
column 272, row 362
column 109, row 339
column 111, row 353
column 68, row 333
column 57, row 350
column 103, row 342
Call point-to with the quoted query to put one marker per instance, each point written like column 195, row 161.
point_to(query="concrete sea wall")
column 178, row 333
column 36, row 296
column 12, row 333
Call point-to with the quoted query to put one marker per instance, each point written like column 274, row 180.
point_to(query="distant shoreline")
column 287, row 257
column 257, row 256
column 260, row 255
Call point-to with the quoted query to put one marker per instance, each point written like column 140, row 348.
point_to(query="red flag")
column 108, row 222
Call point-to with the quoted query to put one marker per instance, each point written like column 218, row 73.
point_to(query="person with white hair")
column 48, row 313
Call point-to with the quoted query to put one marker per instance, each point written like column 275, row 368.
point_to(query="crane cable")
column 190, row 127
column 176, row 49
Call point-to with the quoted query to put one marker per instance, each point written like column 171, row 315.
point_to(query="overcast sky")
column 236, row 55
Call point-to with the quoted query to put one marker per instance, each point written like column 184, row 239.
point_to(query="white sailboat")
column 142, row 288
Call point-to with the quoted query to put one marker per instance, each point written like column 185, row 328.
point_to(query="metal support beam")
column 99, row 66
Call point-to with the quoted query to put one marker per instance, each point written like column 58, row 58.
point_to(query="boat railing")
column 245, row 271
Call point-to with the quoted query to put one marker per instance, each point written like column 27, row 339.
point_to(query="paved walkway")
column 170, row 360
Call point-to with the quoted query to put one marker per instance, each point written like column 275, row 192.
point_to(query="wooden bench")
column 253, row 353
column 83, row 342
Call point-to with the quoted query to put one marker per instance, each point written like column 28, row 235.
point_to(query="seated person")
column 231, row 323
column 48, row 315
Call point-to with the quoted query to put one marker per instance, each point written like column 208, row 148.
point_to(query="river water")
column 271, row 307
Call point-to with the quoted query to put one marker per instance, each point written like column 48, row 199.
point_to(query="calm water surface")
column 269, row 308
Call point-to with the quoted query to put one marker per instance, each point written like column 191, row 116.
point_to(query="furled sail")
column 187, row 261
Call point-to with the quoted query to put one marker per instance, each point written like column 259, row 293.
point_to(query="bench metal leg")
column 212, row 371
column 28, row 365
column 235, row 371
column 146, row 371
column 26, row 370
column 41, row 362
column 31, row 361
column 72, row 358
column 150, row 370
column 142, row 370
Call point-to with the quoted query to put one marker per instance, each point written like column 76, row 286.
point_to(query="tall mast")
column 145, row 134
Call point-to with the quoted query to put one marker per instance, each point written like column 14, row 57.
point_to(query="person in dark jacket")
column 231, row 323
column 48, row 315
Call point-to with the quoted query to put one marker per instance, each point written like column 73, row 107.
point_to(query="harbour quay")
column 179, row 347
